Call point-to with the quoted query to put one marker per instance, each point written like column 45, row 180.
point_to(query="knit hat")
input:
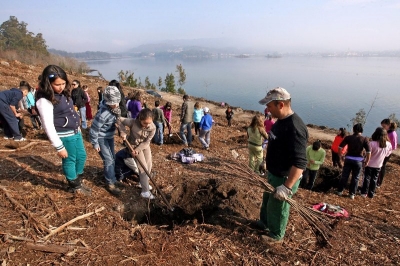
column 206, row 110
column 112, row 95
column 277, row 94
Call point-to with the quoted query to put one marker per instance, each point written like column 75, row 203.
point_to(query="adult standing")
column 354, row 159
column 286, row 160
column 9, row 100
column 79, row 98
column 186, row 121
column 390, row 127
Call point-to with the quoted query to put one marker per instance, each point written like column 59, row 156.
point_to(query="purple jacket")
column 134, row 107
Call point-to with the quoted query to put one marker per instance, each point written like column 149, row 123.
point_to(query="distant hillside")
column 88, row 55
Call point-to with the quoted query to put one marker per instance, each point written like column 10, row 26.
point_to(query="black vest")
column 65, row 116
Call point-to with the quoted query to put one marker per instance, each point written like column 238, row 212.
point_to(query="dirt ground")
column 213, row 218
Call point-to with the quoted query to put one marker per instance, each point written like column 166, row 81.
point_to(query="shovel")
column 149, row 175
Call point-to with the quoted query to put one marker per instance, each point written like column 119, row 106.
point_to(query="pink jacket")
column 378, row 154
column 167, row 113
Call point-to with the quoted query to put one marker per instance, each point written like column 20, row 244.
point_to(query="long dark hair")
column 343, row 132
column 392, row 125
column 380, row 135
column 49, row 75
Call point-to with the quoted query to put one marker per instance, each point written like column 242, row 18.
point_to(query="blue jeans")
column 204, row 137
column 82, row 112
column 74, row 164
column 9, row 122
column 188, row 127
column 159, row 137
column 353, row 167
column 108, row 156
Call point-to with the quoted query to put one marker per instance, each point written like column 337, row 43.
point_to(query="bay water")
column 326, row 91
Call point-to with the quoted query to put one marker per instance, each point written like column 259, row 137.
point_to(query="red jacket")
column 335, row 145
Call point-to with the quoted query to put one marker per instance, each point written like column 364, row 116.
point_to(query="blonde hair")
column 257, row 122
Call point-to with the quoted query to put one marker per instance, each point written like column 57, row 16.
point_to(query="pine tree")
column 170, row 83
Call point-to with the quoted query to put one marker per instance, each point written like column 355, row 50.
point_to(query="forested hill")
column 88, row 55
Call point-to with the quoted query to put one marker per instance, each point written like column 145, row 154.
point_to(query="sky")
column 264, row 25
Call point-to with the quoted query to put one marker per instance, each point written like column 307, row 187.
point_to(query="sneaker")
column 339, row 193
column 5, row 137
column 271, row 241
column 80, row 191
column 364, row 195
column 140, row 186
column 21, row 139
column 113, row 190
column 351, row 196
column 147, row 195
column 120, row 184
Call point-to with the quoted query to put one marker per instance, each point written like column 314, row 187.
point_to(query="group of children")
column 358, row 153
column 365, row 155
column 62, row 125
column 57, row 106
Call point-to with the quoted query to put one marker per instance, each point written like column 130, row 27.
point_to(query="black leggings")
column 336, row 159
column 383, row 171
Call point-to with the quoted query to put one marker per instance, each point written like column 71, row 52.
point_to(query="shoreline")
column 320, row 132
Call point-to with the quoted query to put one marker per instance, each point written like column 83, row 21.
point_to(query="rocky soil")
column 213, row 218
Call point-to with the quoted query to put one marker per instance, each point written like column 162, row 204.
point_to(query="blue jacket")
column 197, row 115
column 103, row 125
column 206, row 122
column 11, row 97
column 30, row 100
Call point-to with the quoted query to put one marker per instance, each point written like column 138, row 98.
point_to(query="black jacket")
column 79, row 97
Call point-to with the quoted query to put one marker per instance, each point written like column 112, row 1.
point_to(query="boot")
column 80, row 178
column 75, row 186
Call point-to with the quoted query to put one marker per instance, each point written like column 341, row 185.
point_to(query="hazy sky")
column 270, row 25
